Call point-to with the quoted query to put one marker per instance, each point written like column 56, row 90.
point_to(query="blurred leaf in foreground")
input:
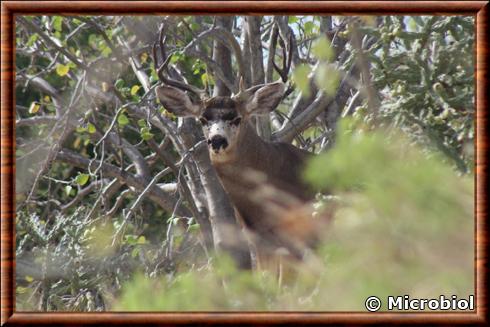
column 404, row 226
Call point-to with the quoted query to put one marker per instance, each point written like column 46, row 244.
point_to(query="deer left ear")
column 265, row 99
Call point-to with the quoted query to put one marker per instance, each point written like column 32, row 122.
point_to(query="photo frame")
column 10, row 9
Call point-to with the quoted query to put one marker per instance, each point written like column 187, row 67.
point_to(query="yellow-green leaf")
column 204, row 79
column 21, row 290
column 308, row 27
column 106, row 51
column 135, row 89
column 82, row 179
column 135, row 252
column 62, row 70
column 322, row 50
column 300, row 77
column 47, row 98
column 141, row 240
column 81, row 129
column 327, row 78
column 142, row 123
column 91, row 128
column 58, row 23
column 122, row 119
column 144, row 57
column 147, row 136
column 35, row 106
column 29, row 279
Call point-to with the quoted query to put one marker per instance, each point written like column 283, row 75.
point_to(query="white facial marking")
column 223, row 130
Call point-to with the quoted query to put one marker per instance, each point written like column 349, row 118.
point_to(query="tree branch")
column 35, row 29
column 156, row 194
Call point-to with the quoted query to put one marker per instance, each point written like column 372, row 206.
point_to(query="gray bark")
column 222, row 56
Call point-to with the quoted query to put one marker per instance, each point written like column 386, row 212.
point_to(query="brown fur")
column 258, row 163
column 263, row 179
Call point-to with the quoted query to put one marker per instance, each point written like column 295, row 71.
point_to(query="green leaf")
column 29, row 279
column 91, row 128
column 142, row 123
column 122, row 119
column 33, row 38
column 68, row 189
column 194, row 227
column 119, row 83
column 62, row 70
column 144, row 57
column 412, row 24
column 204, row 79
column 147, row 136
column 322, row 49
column 92, row 40
column 34, row 107
column 327, row 78
column 135, row 252
column 82, row 179
column 309, row 28
column 58, row 23
column 106, row 52
column 300, row 77
column 21, row 290
column 81, row 129
column 130, row 239
column 194, row 26
column 141, row 240
column 135, row 89
column 292, row 19
column 176, row 57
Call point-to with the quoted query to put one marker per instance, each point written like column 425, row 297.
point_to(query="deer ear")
column 177, row 101
column 265, row 99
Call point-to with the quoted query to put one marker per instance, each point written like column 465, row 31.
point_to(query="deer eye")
column 203, row 121
column 236, row 121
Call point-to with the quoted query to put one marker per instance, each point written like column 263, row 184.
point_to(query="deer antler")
column 166, row 59
column 243, row 94
column 286, row 54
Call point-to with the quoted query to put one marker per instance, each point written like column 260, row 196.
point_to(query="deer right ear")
column 265, row 99
column 176, row 101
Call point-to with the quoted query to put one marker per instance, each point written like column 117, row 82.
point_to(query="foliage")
column 108, row 190
column 424, row 69
column 390, row 236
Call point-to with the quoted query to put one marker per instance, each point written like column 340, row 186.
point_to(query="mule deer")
column 248, row 166
column 241, row 158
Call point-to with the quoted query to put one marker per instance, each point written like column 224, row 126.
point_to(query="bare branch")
column 33, row 121
column 364, row 67
column 157, row 195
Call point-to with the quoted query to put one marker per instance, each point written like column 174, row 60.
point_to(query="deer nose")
column 217, row 142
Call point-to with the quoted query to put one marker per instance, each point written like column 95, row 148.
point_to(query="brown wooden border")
column 11, row 8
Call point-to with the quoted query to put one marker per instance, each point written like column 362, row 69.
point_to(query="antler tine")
column 286, row 57
column 290, row 52
column 162, row 38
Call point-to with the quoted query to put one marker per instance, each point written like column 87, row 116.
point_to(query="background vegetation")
column 113, row 201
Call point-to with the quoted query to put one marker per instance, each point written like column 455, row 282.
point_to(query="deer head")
column 223, row 118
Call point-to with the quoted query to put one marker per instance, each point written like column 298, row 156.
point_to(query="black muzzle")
column 218, row 142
